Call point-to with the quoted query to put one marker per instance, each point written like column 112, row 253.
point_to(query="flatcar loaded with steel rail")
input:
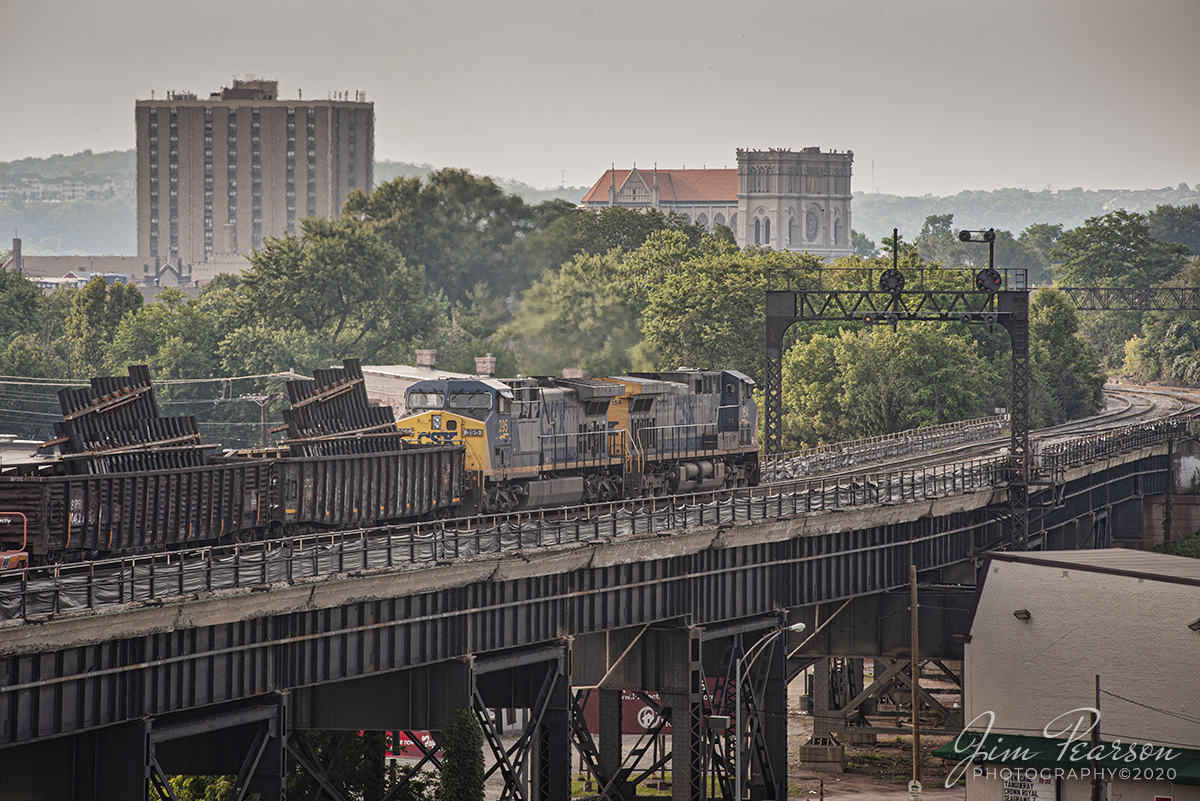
column 129, row 481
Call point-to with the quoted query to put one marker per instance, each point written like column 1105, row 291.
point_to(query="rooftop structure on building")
column 777, row 198
column 218, row 175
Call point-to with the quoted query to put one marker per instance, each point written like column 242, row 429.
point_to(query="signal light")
column 892, row 280
column 989, row 318
column 977, row 236
column 965, row 318
column 988, row 280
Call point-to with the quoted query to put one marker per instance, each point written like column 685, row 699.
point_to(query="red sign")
column 399, row 744
column 636, row 714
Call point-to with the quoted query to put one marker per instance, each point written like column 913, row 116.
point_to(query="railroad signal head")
column 892, row 281
column 988, row 280
column 977, row 236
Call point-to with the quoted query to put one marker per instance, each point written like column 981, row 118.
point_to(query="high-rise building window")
column 208, row 182
column 291, row 170
column 256, row 179
column 231, row 176
column 173, row 170
column 152, row 170
column 311, row 133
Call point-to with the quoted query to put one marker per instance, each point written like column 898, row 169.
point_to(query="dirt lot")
column 873, row 772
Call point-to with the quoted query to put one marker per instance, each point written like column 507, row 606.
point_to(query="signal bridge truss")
column 986, row 297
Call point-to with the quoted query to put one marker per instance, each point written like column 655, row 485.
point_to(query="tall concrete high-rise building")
column 216, row 176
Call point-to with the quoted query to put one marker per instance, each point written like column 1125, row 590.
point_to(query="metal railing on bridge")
column 49, row 591
column 838, row 455
column 1105, row 445
column 36, row 593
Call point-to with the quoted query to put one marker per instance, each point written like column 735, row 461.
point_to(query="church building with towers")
column 776, row 198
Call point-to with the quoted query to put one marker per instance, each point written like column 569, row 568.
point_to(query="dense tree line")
column 451, row 261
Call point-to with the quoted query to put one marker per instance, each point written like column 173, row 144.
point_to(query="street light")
column 752, row 653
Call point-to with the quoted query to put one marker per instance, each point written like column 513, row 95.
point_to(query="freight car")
column 130, row 481
column 546, row 441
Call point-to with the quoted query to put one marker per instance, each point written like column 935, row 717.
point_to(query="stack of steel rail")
column 113, row 426
column 331, row 416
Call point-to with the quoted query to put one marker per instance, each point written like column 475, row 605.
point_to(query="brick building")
column 777, row 198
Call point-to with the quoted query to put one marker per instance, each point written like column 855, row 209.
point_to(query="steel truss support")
column 1010, row 309
column 891, row 687
column 763, row 732
column 537, row 767
column 666, row 660
column 134, row 761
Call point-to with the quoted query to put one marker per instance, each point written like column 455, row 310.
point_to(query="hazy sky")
column 931, row 95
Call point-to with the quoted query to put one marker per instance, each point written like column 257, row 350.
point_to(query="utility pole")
column 1096, row 788
column 916, row 676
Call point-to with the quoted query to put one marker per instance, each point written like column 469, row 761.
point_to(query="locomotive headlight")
column 436, row 422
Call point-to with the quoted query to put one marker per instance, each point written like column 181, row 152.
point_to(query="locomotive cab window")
column 470, row 400
column 729, row 390
column 425, row 400
column 472, row 404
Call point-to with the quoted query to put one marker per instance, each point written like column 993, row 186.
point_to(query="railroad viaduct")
column 221, row 662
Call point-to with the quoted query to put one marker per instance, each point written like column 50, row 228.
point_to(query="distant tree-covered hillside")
column 1007, row 209
column 108, row 227
column 118, row 164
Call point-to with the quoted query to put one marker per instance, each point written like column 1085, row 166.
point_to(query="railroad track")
column 1127, row 405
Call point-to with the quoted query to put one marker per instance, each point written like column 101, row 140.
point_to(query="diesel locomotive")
column 546, row 441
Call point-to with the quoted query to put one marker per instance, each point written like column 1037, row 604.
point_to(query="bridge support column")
column 551, row 776
column 687, row 718
column 768, row 775
column 611, row 742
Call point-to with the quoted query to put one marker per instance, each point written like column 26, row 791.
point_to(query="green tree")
column 336, row 291
column 470, row 331
column 1178, row 224
column 20, row 302
column 875, row 380
column 582, row 316
column 864, row 247
column 96, row 311
column 460, row 227
column 172, row 335
column 1116, row 249
column 708, row 314
column 1067, row 380
column 462, row 769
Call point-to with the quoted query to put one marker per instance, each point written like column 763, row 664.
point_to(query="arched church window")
column 702, row 221
column 791, row 230
column 758, row 232
column 766, row 232
column 837, row 232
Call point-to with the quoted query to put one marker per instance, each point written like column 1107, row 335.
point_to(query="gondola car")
column 129, row 481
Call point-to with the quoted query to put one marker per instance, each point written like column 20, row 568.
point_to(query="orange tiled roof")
column 674, row 186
